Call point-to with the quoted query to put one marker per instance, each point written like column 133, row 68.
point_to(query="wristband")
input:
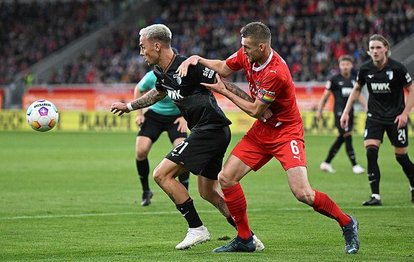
column 129, row 106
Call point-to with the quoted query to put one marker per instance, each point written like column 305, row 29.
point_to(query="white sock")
column 376, row 196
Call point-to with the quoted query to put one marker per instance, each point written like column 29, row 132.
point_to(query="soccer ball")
column 42, row 115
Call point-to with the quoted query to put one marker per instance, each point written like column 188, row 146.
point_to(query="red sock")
column 236, row 202
column 324, row 205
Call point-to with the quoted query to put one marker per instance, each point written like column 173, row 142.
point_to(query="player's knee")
column 141, row 155
column 304, row 196
column 224, row 180
column 158, row 176
column 372, row 152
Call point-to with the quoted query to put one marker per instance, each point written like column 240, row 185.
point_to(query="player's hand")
column 401, row 120
column 139, row 119
column 183, row 68
column 119, row 108
column 266, row 115
column 344, row 121
column 182, row 124
column 217, row 87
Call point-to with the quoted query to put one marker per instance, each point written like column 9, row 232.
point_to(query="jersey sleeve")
column 270, row 88
column 147, row 82
column 361, row 77
column 235, row 61
column 205, row 74
column 405, row 76
column 328, row 85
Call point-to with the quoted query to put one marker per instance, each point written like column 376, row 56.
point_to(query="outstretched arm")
column 219, row 66
column 149, row 98
column 253, row 107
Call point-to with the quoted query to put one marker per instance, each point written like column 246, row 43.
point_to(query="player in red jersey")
column 278, row 133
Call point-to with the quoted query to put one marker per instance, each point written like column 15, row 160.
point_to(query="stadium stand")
column 310, row 35
column 32, row 30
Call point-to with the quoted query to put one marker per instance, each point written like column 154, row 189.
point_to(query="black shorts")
column 202, row 152
column 375, row 130
column 155, row 124
column 350, row 127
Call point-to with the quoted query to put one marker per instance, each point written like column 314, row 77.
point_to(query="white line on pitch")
column 175, row 212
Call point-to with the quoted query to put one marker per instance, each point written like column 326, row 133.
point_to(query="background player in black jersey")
column 340, row 85
column 203, row 151
column 388, row 111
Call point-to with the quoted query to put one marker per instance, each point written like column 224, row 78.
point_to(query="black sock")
column 189, row 212
column 230, row 220
column 350, row 149
column 407, row 166
column 184, row 179
column 374, row 174
column 334, row 149
column 143, row 172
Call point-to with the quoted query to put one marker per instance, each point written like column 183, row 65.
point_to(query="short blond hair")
column 158, row 32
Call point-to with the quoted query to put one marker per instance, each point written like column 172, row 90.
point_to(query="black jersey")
column 386, row 89
column 341, row 88
column 197, row 104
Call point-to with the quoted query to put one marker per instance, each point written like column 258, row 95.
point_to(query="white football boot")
column 326, row 167
column 194, row 237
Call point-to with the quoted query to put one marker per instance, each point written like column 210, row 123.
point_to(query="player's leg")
column 165, row 174
column 148, row 134
column 333, row 150
column 233, row 171
column 184, row 177
column 326, row 165
column 323, row 204
column 142, row 147
column 347, row 134
column 195, row 153
column 356, row 168
column 373, row 136
column 399, row 140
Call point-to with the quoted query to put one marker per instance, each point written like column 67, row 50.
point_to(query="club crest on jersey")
column 177, row 79
column 390, row 74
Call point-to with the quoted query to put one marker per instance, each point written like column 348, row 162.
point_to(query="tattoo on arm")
column 237, row 91
column 149, row 98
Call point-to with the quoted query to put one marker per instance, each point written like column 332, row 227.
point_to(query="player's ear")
column 157, row 46
column 262, row 47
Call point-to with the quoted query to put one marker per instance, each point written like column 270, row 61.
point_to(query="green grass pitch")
column 76, row 197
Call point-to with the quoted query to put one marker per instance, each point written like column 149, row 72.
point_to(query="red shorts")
column 262, row 142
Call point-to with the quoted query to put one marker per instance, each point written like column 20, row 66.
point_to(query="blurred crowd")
column 310, row 35
column 32, row 30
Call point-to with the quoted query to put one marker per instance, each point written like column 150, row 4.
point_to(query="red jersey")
column 272, row 84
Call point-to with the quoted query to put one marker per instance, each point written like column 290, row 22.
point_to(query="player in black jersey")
column 203, row 151
column 388, row 111
column 341, row 86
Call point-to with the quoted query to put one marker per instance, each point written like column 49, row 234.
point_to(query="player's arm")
column 402, row 119
column 255, row 108
column 355, row 93
column 322, row 103
column 219, row 66
column 149, row 98
column 363, row 101
column 140, row 113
